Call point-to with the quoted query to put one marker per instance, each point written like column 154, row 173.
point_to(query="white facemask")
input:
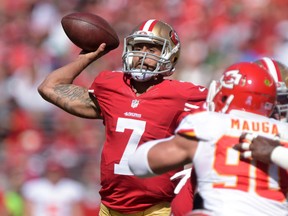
column 139, row 76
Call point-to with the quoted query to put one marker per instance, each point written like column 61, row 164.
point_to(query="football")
column 88, row 31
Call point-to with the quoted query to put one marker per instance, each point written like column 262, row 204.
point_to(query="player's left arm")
column 159, row 156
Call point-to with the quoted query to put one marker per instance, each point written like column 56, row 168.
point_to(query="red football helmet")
column 280, row 74
column 244, row 86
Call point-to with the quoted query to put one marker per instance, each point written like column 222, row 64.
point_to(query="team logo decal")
column 174, row 37
column 135, row 103
column 230, row 79
column 267, row 82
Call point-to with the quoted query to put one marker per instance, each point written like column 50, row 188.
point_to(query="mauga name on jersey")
column 254, row 126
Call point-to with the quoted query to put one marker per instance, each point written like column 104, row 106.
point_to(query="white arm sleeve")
column 279, row 156
column 138, row 162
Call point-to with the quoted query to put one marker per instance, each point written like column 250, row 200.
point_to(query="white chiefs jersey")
column 228, row 185
column 50, row 199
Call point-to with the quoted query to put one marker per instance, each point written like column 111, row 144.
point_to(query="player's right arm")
column 58, row 87
column 264, row 149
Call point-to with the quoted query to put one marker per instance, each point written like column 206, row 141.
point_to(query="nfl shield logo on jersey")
column 134, row 103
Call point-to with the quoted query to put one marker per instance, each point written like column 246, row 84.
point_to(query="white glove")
column 184, row 175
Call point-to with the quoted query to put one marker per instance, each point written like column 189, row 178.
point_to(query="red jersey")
column 131, row 120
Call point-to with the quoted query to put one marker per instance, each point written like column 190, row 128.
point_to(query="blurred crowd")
column 213, row 33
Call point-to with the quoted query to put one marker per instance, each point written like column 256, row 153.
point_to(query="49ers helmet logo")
column 174, row 37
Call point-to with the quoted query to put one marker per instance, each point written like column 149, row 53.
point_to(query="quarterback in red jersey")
column 136, row 104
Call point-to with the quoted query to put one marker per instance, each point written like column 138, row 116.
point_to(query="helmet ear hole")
column 174, row 59
column 224, row 99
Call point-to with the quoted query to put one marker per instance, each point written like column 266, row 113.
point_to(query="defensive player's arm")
column 265, row 150
column 58, row 87
column 159, row 156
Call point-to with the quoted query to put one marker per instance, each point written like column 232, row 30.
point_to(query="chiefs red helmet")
column 244, row 86
column 280, row 74
column 152, row 32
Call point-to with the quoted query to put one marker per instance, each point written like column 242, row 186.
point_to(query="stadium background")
column 213, row 33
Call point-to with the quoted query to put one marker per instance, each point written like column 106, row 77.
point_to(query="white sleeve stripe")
column 187, row 105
